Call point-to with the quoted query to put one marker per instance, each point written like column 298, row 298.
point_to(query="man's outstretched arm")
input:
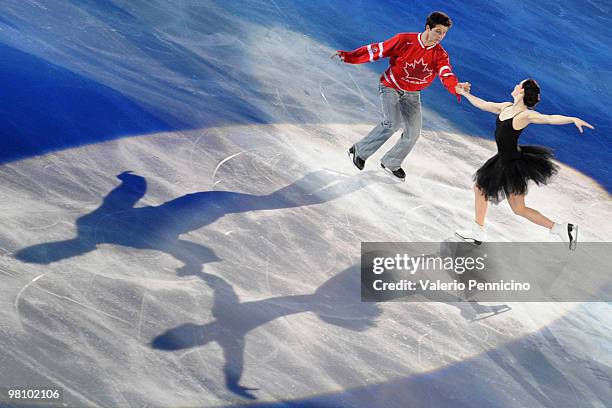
column 370, row 52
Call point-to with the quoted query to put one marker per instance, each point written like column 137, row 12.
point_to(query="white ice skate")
column 567, row 232
column 475, row 234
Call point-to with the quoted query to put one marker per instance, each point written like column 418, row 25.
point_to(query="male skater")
column 415, row 60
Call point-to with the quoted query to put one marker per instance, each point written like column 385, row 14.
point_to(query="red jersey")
column 412, row 65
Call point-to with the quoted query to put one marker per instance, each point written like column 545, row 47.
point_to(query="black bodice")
column 506, row 138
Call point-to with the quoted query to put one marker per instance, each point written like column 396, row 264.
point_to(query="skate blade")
column 574, row 242
column 469, row 240
column 491, row 314
column 393, row 175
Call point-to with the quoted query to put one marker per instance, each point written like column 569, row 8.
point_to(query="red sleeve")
column 445, row 73
column 371, row 52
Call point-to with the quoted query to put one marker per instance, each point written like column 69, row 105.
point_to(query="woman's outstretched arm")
column 541, row 119
column 493, row 107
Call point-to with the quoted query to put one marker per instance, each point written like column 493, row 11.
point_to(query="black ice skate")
column 398, row 174
column 357, row 161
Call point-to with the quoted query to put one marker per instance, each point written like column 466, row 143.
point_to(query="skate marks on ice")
column 335, row 302
column 53, row 108
column 534, row 371
column 147, row 224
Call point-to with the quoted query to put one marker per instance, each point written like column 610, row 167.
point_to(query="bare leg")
column 517, row 203
column 480, row 206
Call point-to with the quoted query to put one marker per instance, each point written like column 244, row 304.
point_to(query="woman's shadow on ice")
column 117, row 221
column 336, row 302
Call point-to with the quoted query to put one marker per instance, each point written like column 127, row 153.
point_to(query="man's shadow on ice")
column 336, row 302
column 118, row 222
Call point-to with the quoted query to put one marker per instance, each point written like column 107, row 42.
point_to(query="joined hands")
column 463, row 88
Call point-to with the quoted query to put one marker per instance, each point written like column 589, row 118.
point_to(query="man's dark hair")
column 438, row 17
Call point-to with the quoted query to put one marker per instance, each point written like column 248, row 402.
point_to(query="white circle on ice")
column 285, row 277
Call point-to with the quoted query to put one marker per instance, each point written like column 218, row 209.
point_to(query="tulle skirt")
column 502, row 176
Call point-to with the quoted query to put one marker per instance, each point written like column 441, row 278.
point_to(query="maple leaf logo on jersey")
column 417, row 71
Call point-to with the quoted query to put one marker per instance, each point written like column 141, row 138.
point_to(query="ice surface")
column 198, row 242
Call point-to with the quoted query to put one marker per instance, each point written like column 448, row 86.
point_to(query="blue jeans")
column 400, row 110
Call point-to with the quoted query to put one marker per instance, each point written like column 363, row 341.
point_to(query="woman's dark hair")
column 438, row 17
column 532, row 93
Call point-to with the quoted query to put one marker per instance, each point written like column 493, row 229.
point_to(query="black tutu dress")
column 509, row 171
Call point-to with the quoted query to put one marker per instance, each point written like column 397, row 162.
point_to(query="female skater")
column 506, row 174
